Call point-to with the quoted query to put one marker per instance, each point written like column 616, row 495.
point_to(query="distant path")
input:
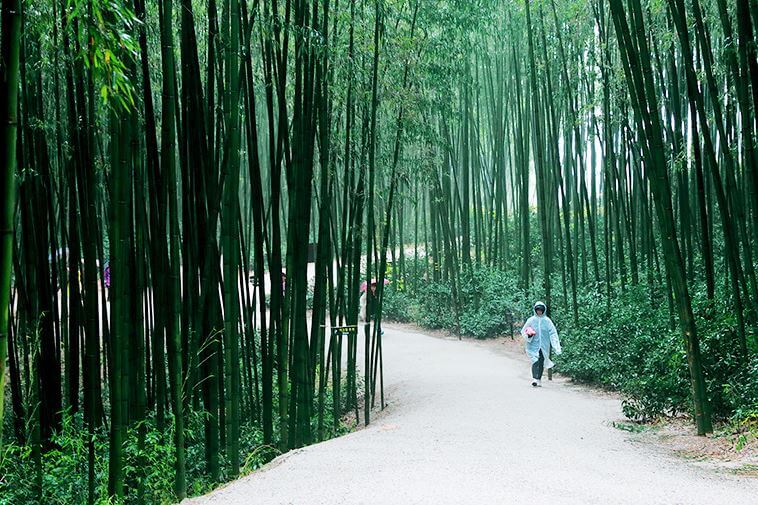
column 464, row 427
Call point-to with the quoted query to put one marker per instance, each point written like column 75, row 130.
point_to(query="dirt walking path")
column 463, row 426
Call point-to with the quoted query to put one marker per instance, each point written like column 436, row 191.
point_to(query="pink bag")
column 530, row 332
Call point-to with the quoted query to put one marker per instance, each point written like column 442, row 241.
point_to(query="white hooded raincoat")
column 546, row 336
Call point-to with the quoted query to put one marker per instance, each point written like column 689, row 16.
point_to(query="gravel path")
column 464, row 427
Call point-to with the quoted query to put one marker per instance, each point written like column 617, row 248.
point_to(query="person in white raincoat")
column 540, row 334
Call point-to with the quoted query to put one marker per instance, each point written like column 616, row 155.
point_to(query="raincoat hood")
column 539, row 304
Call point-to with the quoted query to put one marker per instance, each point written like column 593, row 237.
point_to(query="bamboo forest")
column 219, row 218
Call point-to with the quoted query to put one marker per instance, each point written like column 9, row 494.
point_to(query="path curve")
column 464, row 427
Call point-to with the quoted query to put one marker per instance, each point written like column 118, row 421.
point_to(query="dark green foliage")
column 398, row 304
column 633, row 350
column 489, row 302
column 741, row 395
column 732, row 386
column 435, row 302
column 65, row 482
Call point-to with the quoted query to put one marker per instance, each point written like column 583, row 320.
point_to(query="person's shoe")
column 539, row 383
column 535, row 383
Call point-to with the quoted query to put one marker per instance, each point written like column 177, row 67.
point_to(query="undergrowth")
column 60, row 477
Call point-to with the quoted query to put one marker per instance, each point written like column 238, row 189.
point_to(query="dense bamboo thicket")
column 193, row 193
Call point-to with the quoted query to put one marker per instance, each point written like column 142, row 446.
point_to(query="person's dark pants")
column 538, row 367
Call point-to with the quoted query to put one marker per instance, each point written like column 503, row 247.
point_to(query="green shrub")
column 435, row 306
column 630, row 349
column 62, row 482
column 398, row 305
column 488, row 302
column 64, row 464
column 487, row 297
column 633, row 349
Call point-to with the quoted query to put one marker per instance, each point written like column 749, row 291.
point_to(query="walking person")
column 540, row 334
column 367, row 301
column 369, row 298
